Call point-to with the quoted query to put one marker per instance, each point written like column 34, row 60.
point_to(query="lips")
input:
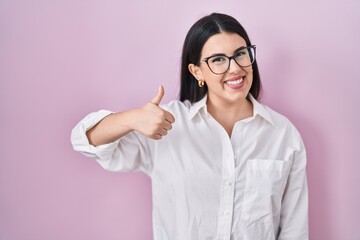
column 235, row 83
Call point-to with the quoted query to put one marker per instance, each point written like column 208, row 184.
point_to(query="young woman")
column 223, row 166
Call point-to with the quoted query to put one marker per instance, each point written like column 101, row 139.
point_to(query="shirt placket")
column 227, row 191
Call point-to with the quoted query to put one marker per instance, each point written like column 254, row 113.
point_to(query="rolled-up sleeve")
column 294, row 213
column 129, row 153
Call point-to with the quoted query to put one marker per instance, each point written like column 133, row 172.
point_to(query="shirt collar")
column 258, row 108
column 261, row 110
column 195, row 107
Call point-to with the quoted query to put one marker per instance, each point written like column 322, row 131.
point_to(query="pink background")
column 62, row 59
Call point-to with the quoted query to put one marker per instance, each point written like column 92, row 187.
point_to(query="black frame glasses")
column 251, row 50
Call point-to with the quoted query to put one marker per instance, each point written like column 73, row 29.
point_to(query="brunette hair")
column 195, row 39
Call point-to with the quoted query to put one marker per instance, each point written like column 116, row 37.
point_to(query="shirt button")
column 226, row 213
column 229, row 183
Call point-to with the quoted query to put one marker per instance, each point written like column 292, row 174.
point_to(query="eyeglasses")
column 220, row 63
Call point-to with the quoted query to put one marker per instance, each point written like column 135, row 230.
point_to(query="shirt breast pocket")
column 264, row 188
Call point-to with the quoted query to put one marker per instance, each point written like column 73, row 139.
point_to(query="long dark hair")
column 195, row 39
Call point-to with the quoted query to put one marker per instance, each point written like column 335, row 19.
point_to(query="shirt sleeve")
column 294, row 210
column 129, row 153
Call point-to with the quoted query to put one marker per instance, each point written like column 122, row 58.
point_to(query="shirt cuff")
column 80, row 141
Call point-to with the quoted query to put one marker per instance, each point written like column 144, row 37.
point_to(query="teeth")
column 234, row 82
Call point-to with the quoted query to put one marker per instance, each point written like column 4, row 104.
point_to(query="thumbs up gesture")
column 153, row 121
column 159, row 96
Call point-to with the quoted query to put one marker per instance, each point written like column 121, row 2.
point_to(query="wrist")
column 125, row 121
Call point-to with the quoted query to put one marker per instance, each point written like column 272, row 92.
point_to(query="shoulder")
column 277, row 117
column 282, row 122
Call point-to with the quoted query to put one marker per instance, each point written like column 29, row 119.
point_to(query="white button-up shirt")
column 207, row 185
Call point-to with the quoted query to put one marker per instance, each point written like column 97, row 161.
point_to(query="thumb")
column 157, row 99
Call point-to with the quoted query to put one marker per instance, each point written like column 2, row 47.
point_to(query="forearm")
column 150, row 120
column 111, row 128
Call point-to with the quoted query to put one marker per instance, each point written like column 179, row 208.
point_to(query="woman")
column 223, row 166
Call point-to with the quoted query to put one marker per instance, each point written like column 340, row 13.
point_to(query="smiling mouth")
column 235, row 82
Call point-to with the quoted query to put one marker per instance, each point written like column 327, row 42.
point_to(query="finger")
column 160, row 94
column 162, row 132
column 167, row 125
column 156, row 137
column 169, row 117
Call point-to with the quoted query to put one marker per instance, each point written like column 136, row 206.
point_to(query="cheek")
column 249, row 70
column 210, row 76
column 213, row 79
column 249, row 73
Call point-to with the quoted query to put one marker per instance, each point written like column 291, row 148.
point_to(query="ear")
column 195, row 71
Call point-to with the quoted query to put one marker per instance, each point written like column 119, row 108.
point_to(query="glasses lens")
column 245, row 57
column 220, row 64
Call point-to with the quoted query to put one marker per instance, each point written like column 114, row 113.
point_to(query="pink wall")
column 60, row 60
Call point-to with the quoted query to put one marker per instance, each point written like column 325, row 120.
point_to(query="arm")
column 101, row 135
column 149, row 120
column 294, row 210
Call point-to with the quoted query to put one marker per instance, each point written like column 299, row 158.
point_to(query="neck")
column 227, row 114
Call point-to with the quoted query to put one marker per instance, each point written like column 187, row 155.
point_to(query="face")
column 231, row 87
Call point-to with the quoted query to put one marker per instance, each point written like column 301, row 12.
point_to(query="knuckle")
column 162, row 115
column 158, row 126
column 155, row 131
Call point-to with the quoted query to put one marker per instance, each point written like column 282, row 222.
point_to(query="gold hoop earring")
column 201, row 83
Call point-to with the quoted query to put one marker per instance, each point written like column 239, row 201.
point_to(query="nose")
column 234, row 67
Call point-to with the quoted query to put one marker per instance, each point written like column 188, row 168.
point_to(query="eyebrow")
column 222, row 54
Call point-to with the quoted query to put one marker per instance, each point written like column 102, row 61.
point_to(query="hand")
column 153, row 121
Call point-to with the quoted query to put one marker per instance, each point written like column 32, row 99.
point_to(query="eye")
column 218, row 59
column 241, row 53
